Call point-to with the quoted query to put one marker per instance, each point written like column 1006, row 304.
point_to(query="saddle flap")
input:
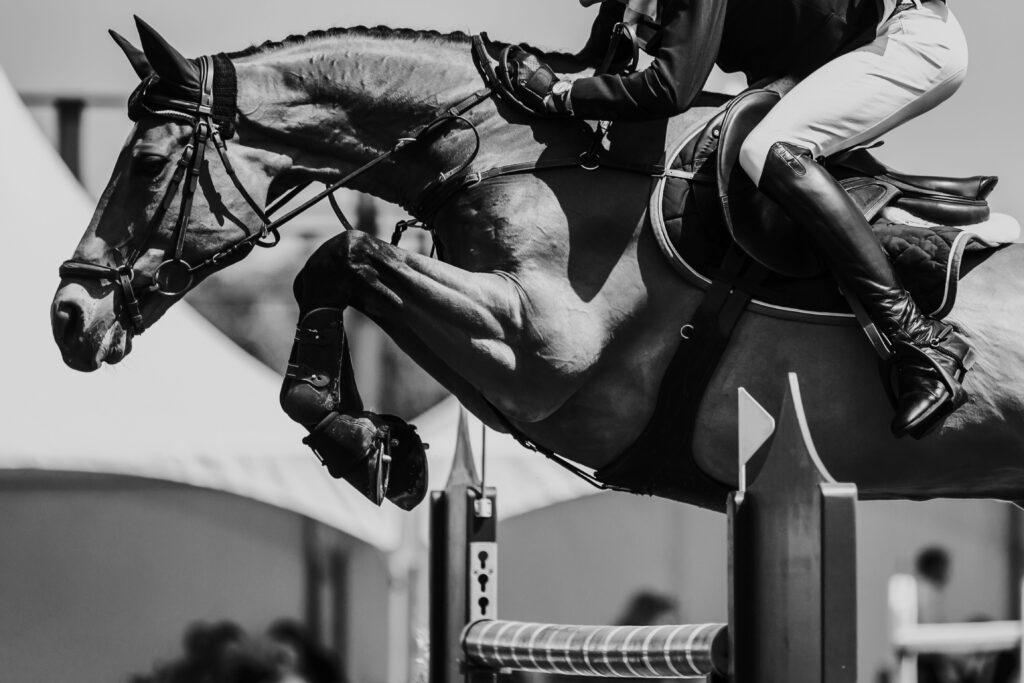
column 756, row 223
column 741, row 117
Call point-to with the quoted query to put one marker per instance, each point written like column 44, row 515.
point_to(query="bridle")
column 213, row 119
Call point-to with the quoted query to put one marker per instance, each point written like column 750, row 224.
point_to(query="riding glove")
column 536, row 85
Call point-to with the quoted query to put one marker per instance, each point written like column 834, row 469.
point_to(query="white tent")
column 187, row 406
column 527, row 481
column 116, row 531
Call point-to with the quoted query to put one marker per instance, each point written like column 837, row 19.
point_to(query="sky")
column 49, row 46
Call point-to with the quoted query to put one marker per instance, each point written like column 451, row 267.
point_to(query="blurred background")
column 160, row 519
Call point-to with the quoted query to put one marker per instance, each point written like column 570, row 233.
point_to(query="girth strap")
column 646, row 467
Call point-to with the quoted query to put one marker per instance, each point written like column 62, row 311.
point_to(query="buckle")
column 381, row 464
column 589, row 161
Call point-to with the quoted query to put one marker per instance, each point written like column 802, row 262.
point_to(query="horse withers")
column 552, row 312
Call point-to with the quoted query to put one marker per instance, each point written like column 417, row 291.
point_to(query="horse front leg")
column 319, row 391
column 489, row 337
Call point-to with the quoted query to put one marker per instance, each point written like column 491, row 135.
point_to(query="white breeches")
column 917, row 60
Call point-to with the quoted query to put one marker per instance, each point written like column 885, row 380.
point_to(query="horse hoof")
column 380, row 455
column 408, row 485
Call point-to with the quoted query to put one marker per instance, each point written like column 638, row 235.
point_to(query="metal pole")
column 313, row 581
column 338, row 567
column 463, row 563
column 792, row 597
column 69, row 132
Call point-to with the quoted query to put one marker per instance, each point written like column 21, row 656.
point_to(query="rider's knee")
column 754, row 153
column 758, row 146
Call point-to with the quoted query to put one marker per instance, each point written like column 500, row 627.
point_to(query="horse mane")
column 381, row 33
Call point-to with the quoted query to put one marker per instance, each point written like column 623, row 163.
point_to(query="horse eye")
column 150, row 165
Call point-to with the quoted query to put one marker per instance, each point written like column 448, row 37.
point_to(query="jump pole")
column 792, row 597
column 463, row 561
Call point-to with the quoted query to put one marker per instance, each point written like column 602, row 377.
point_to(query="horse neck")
column 332, row 104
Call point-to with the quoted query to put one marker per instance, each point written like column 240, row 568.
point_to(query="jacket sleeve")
column 687, row 47
column 594, row 51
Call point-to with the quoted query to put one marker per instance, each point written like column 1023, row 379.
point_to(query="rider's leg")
column 917, row 60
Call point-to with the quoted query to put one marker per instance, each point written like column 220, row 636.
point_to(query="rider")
column 866, row 66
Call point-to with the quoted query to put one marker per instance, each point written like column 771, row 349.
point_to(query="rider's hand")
column 536, row 85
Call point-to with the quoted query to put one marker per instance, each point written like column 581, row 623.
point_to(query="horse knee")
column 328, row 276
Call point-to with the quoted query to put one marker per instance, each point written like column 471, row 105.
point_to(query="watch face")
column 560, row 87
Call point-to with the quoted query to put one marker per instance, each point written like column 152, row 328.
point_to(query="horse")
column 551, row 312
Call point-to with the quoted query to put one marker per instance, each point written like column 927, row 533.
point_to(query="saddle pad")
column 687, row 221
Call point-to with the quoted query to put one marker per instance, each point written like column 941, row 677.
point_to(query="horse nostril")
column 67, row 321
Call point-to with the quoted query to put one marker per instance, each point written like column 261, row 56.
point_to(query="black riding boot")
column 930, row 358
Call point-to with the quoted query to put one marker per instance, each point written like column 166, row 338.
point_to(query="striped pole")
column 604, row 651
column 792, row 598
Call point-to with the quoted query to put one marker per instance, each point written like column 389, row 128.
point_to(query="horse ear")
column 136, row 56
column 168, row 63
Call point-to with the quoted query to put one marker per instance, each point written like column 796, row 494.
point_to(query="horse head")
column 169, row 216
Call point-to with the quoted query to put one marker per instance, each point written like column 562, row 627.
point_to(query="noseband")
column 212, row 117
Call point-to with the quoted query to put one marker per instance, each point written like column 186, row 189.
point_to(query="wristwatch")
column 558, row 100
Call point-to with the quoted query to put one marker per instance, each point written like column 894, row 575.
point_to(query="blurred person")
column 932, row 568
column 866, row 67
column 224, row 653
column 315, row 663
column 648, row 608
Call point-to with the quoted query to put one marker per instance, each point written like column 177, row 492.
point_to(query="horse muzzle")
column 86, row 326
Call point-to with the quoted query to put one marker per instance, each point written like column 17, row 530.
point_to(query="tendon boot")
column 929, row 358
column 380, row 455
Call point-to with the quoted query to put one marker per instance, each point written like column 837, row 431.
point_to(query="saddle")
column 741, row 249
column 738, row 247
column 707, row 205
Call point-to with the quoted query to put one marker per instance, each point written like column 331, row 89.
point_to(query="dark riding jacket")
column 761, row 38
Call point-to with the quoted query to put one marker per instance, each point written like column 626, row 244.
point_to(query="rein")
column 174, row 276
column 212, row 117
